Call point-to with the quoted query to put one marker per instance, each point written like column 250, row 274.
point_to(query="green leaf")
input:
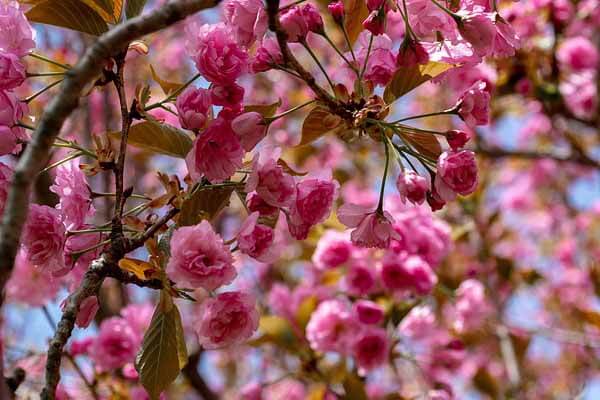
column 204, row 204
column 276, row 330
column 356, row 12
column 134, row 8
column 354, row 388
column 317, row 123
column 166, row 86
column 109, row 10
column 163, row 353
column 407, row 78
column 158, row 138
column 70, row 14
column 266, row 110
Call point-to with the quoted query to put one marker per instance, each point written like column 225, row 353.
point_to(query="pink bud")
column 373, row 5
column 457, row 139
column 412, row 186
column 294, row 23
column 313, row 18
column 411, row 53
column 337, row 11
column 228, row 95
column 368, row 312
column 375, row 23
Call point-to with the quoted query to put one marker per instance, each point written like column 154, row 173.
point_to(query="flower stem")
column 29, row 99
column 337, row 50
column 385, row 172
column 314, row 57
column 433, row 114
column 347, row 39
column 41, row 74
column 173, row 95
column 291, row 110
column 48, row 60
column 362, row 72
column 454, row 16
column 60, row 162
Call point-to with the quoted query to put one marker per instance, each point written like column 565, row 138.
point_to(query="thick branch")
column 195, row 379
column 533, row 155
column 35, row 156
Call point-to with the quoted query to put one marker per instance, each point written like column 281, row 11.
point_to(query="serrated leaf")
column 406, row 79
column 356, row 12
column 163, row 353
column 109, row 10
column 425, row 143
column 354, row 388
column 134, row 8
column 158, row 138
column 142, row 269
column 70, row 14
column 266, row 110
column 204, row 204
column 167, row 87
column 317, row 123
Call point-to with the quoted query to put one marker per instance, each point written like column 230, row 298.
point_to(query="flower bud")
column 457, row 139
column 337, row 11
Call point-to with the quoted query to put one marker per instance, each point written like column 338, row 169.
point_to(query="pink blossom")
column 478, row 29
column 457, row 139
column 373, row 228
column 12, row 71
column 87, row 311
column 458, row 170
column 426, row 18
column 294, row 24
column 194, row 108
column 199, row 258
column 138, row 317
column 228, row 95
column 261, row 241
column 6, row 173
column 79, row 347
column 412, row 186
column 115, row 344
column 216, row 153
column 474, row 105
column 331, row 327
column 314, row 22
column 580, row 94
column 270, row 181
column 247, row 18
column 267, row 56
column 471, row 307
column 227, row 319
column 256, row 203
column 16, row 35
column 577, row 53
column 11, row 112
column 418, row 323
column 381, row 67
column 250, row 128
column 371, row 348
column 368, row 312
column 506, row 40
column 77, row 243
column 360, row 279
column 333, row 249
column 216, row 53
column 408, row 273
column 312, row 205
column 411, row 53
column 29, row 284
column 74, row 194
column 44, row 238
column 251, row 391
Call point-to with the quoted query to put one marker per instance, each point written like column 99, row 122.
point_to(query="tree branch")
column 196, row 380
column 36, row 154
column 533, row 155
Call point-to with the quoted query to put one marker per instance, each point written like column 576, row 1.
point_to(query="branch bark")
column 196, row 380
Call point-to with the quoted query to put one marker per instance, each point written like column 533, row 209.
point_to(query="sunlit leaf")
column 70, row 14
column 167, row 86
column 318, row 122
column 134, row 8
column 109, row 10
column 354, row 388
column 276, row 330
column 158, row 138
column 142, row 269
column 406, row 79
column 307, row 306
column 591, row 317
column 425, row 143
column 163, row 353
column 266, row 110
column 204, row 204
column 356, row 12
